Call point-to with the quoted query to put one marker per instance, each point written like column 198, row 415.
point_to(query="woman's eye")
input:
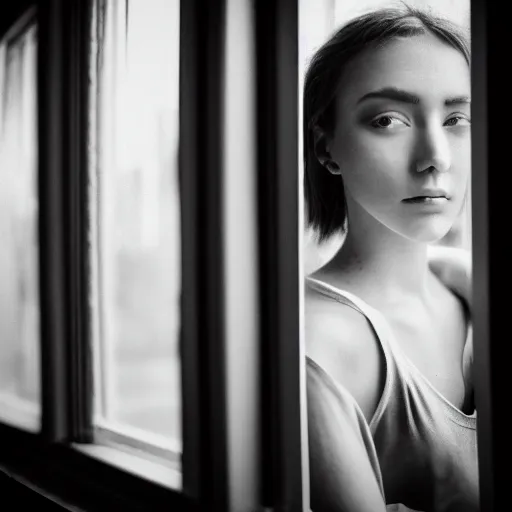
column 386, row 122
column 457, row 121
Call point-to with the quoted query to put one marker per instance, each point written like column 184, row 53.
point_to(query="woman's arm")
column 453, row 267
column 344, row 470
column 345, row 380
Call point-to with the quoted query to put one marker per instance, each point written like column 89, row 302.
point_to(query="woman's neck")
column 381, row 264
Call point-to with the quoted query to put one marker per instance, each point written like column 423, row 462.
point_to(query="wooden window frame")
column 491, row 253
column 284, row 419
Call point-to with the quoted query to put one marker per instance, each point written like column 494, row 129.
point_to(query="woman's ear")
column 322, row 152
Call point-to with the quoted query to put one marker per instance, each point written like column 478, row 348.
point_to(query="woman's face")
column 402, row 137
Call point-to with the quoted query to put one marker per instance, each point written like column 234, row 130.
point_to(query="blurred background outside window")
column 135, row 218
column 19, row 255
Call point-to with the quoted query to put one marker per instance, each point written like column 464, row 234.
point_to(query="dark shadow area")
column 17, row 496
column 11, row 11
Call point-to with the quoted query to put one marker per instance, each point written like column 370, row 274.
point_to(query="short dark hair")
column 324, row 192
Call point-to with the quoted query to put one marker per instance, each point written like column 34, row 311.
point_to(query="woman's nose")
column 433, row 151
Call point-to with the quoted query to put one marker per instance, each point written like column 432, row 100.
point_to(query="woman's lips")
column 434, row 200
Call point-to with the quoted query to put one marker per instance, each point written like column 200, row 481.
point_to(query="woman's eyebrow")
column 393, row 93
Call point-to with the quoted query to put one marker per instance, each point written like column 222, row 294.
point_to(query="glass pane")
column 19, row 265
column 136, row 219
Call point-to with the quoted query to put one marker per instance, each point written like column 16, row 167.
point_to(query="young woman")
column 388, row 335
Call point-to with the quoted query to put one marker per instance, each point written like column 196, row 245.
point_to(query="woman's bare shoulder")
column 333, row 324
column 342, row 342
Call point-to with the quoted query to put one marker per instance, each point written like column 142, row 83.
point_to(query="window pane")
column 136, row 219
column 19, row 264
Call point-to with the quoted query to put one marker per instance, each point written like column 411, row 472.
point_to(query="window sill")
column 134, row 463
column 92, row 477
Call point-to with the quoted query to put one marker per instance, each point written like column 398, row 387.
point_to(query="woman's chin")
column 429, row 233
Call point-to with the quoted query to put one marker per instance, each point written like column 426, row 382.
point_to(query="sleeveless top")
column 423, row 449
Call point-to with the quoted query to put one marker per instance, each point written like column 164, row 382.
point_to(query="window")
column 117, row 324
column 19, row 269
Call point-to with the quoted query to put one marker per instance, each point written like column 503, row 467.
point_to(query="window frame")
column 204, row 460
column 63, row 29
column 490, row 253
column 285, row 462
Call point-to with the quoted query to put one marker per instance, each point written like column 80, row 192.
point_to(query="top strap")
column 374, row 317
